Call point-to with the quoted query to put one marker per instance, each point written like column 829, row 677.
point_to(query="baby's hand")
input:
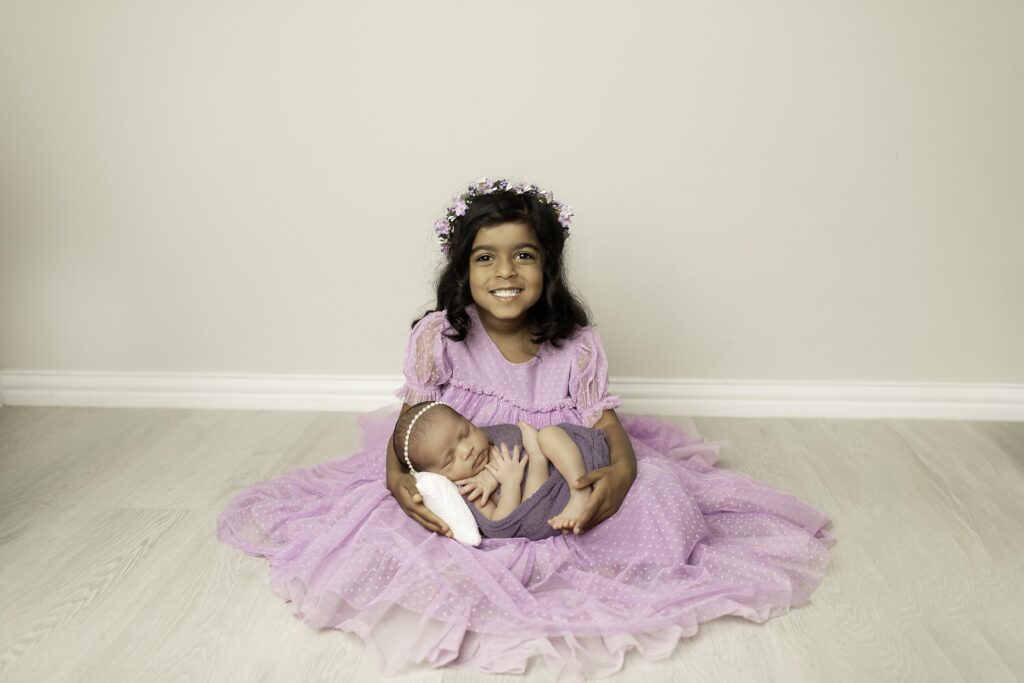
column 507, row 467
column 480, row 486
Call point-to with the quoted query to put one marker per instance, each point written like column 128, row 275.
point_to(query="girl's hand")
column 506, row 467
column 403, row 488
column 480, row 486
column 610, row 484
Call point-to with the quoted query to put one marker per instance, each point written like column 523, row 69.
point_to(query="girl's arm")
column 402, row 486
column 611, row 483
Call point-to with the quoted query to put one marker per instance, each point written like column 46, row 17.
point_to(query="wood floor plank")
column 71, row 587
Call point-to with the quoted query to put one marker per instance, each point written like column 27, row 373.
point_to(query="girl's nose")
column 506, row 268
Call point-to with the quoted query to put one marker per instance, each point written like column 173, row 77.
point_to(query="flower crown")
column 444, row 226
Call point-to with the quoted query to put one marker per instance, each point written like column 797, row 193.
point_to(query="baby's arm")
column 508, row 469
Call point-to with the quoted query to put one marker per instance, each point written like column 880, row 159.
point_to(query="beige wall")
column 784, row 190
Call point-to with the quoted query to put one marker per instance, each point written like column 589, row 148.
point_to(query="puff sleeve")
column 588, row 378
column 426, row 363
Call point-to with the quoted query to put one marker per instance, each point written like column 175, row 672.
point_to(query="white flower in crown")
column 460, row 203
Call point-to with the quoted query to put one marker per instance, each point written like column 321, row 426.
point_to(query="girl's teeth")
column 506, row 293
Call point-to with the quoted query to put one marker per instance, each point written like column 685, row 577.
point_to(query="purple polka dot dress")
column 690, row 543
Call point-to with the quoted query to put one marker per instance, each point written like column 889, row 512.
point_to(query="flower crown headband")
column 457, row 208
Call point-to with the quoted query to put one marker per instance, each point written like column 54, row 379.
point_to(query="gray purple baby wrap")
column 530, row 519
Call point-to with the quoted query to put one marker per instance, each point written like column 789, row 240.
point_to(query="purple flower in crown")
column 564, row 216
column 458, row 206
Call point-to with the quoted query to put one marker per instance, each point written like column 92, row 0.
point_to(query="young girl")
column 433, row 437
column 667, row 540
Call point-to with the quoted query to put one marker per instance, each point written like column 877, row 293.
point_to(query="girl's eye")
column 527, row 256
column 482, row 258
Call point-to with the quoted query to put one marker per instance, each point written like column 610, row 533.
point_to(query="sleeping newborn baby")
column 535, row 500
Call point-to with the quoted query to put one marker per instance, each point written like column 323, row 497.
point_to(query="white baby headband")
column 408, row 432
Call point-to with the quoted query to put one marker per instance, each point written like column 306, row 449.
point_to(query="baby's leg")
column 564, row 454
column 536, row 464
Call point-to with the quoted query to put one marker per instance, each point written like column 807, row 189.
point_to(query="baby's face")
column 453, row 446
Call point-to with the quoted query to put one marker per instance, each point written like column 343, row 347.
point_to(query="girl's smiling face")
column 506, row 271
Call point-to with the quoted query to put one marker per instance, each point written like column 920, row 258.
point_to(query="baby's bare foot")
column 530, row 443
column 566, row 519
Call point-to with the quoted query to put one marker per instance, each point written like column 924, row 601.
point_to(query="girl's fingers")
column 589, row 479
column 432, row 528
column 431, row 523
column 414, row 507
column 600, row 514
column 409, row 486
column 583, row 520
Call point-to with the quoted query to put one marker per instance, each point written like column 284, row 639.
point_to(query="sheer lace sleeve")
column 426, row 364
column 588, row 380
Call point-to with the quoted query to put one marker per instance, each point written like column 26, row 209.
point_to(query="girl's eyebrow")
column 488, row 247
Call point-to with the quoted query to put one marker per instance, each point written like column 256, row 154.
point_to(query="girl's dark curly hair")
column 558, row 312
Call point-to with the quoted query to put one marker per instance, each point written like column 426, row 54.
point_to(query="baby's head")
column 441, row 440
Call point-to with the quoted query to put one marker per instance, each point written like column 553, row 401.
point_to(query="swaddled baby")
column 534, row 500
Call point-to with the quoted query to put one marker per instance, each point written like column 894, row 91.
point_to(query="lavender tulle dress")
column 690, row 543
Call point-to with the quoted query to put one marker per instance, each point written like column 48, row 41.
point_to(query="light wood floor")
column 110, row 569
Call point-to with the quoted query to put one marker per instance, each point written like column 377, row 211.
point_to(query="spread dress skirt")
column 690, row 543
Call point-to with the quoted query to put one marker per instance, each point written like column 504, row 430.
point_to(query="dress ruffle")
column 690, row 543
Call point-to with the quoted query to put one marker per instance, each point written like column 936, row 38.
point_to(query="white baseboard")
column 997, row 402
